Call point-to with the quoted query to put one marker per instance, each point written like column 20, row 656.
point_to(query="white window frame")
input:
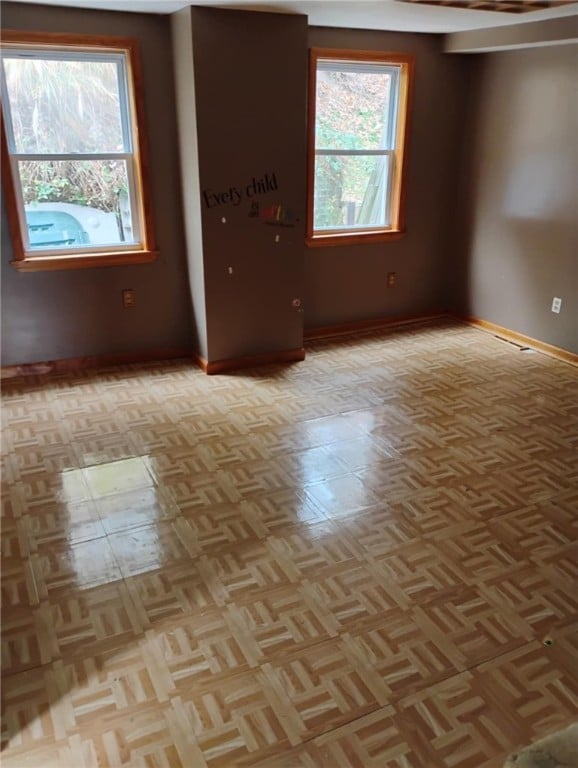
column 123, row 52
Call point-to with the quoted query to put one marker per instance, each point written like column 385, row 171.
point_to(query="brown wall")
column 518, row 201
column 515, row 36
column 348, row 283
column 250, row 75
column 505, row 207
column 182, row 39
column 63, row 314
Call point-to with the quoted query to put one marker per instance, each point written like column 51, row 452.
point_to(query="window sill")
column 347, row 238
column 85, row 261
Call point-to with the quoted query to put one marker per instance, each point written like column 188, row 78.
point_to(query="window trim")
column 146, row 251
column 398, row 194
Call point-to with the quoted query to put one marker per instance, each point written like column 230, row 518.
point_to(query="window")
column 73, row 152
column 357, row 140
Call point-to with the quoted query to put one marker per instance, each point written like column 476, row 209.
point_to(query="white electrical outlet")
column 556, row 304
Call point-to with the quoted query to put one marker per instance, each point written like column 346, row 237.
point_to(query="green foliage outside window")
column 63, row 106
column 351, row 110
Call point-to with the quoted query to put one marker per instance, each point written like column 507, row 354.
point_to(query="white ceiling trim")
column 359, row 14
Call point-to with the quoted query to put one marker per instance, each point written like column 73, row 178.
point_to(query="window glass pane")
column 352, row 110
column 60, row 106
column 76, row 202
column 351, row 191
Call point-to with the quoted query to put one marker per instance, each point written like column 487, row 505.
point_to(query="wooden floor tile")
column 61, row 568
column 324, row 687
column 283, row 621
column 248, row 714
column 279, row 510
column 534, row 595
column 469, row 720
column 401, row 655
column 368, row 560
column 176, row 591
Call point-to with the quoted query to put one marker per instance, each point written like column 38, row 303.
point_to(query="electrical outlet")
column 128, row 298
column 391, row 279
column 556, row 304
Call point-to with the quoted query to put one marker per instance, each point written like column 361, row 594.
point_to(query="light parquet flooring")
column 367, row 560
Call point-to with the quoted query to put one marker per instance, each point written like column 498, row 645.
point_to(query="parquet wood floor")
column 367, row 560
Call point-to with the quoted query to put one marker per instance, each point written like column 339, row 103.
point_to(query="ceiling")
column 396, row 15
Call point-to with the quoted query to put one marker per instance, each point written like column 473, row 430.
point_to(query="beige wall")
column 518, row 199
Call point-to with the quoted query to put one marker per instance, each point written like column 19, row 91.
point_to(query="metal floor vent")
column 520, row 347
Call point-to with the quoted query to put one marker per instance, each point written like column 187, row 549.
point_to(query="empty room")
column 289, row 356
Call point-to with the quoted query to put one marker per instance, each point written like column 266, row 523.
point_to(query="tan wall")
column 518, row 201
